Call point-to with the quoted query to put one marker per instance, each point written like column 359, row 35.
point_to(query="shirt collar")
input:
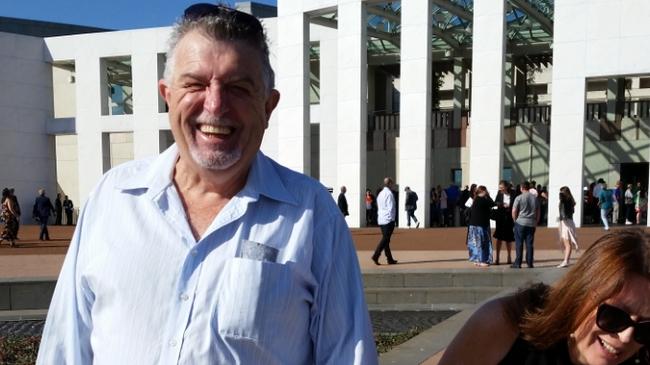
column 263, row 178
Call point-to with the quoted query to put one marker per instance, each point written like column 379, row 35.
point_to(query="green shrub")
column 18, row 350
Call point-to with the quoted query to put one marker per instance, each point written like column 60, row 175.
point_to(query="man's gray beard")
column 215, row 160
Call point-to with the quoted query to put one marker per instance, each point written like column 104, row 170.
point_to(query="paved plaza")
column 417, row 250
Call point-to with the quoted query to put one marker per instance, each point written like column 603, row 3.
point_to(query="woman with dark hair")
column 9, row 217
column 504, row 229
column 566, row 227
column 597, row 313
column 479, row 242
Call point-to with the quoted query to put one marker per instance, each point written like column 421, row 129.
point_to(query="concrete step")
column 429, row 296
column 451, row 278
column 26, row 293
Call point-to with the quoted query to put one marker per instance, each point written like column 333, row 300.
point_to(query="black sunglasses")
column 198, row 11
column 615, row 320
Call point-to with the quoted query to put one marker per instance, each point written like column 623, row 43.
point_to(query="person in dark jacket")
column 504, row 227
column 479, row 243
column 42, row 210
column 68, row 207
column 58, row 210
column 411, row 205
column 342, row 202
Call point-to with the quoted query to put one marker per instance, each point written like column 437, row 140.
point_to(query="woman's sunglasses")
column 614, row 320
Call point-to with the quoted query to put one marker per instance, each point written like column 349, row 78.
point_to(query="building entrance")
column 631, row 173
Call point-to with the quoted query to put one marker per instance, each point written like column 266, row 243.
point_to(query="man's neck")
column 205, row 192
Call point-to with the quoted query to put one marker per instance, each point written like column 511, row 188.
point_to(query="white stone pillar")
column 486, row 126
column 294, row 134
column 415, row 112
column 328, row 107
column 144, row 68
column 90, row 89
column 352, row 114
column 459, row 91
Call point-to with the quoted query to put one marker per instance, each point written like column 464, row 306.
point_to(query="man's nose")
column 215, row 100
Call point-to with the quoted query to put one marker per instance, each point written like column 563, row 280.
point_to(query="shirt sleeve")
column 340, row 325
column 66, row 335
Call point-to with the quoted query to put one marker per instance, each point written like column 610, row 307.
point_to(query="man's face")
column 218, row 107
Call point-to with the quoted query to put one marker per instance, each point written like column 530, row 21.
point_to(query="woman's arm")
column 485, row 339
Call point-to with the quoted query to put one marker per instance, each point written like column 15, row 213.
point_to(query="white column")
column 144, row 68
column 328, row 107
column 459, row 91
column 486, row 125
column 293, row 81
column 352, row 118
column 89, row 135
column 415, row 112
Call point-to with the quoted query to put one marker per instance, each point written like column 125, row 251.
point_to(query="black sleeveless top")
column 523, row 353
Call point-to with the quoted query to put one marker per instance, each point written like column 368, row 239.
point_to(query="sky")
column 110, row 14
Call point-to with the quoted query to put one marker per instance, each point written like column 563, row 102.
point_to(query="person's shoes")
column 531, row 266
column 376, row 261
column 417, row 225
column 496, row 263
column 515, row 266
column 12, row 243
column 563, row 264
column 628, row 223
column 607, row 228
column 483, row 264
column 392, row 262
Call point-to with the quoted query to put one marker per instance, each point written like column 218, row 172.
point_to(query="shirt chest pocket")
column 256, row 298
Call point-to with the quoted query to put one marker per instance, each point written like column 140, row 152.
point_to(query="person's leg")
column 387, row 252
column 530, row 241
column 498, row 250
column 518, row 245
column 381, row 244
column 42, row 223
column 509, row 249
column 615, row 213
column 603, row 218
column 408, row 218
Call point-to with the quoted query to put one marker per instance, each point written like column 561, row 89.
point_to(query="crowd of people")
column 623, row 204
column 42, row 211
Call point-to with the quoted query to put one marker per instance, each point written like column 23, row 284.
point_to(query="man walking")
column 342, row 202
column 41, row 212
column 411, row 206
column 525, row 213
column 605, row 203
column 386, row 220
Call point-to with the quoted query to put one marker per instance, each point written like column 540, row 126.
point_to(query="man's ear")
column 271, row 102
column 163, row 89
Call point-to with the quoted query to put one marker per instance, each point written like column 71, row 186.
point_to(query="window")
column 457, row 176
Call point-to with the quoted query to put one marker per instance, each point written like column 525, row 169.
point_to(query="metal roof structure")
column 529, row 28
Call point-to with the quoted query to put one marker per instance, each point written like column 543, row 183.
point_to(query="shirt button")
column 184, row 297
column 172, row 343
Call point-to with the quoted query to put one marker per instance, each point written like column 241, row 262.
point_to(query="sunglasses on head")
column 614, row 320
column 201, row 10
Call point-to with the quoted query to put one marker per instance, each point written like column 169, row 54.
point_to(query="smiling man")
column 218, row 254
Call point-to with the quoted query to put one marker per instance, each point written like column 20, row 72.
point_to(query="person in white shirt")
column 217, row 254
column 386, row 220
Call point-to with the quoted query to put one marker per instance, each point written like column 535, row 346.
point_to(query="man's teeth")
column 212, row 129
column 608, row 347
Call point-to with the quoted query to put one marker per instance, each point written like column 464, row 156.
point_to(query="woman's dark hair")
column 565, row 196
column 548, row 316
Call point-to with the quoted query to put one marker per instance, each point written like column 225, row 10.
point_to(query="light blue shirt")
column 137, row 288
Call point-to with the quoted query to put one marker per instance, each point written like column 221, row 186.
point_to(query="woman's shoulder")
column 489, row 328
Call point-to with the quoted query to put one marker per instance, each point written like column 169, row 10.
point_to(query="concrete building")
column 427, row 91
